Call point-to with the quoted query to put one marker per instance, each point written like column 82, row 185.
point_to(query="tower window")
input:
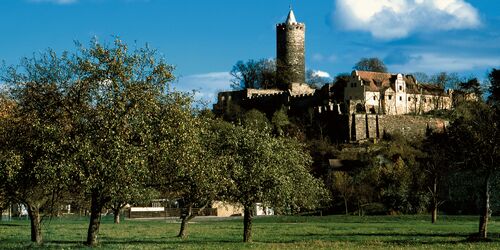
column 401, row 88
column 400, row 98
column 389, row 97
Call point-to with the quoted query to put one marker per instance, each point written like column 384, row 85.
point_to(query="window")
column 389, row 97
column 400, row 88
column 409, row 98
column 400, row 98
column 374, row 97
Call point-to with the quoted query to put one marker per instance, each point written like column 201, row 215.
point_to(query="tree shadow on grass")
column 10, row 225
column 407, row 238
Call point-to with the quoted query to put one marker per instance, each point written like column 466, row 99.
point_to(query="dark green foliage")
column 494, row 88
column 371, row 64
column 35, row 155
column 475, row 132
column 268, row 170
column 471, row 86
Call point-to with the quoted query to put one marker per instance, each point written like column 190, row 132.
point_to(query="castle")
column 365, row 103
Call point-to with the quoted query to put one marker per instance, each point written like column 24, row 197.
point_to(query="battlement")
column 283, row 26
column 301, row 96
column 259, row 93
column 257, row 96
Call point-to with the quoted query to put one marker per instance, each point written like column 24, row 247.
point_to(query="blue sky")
column 205, row 38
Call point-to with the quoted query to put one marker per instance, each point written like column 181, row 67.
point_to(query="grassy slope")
column 339, row 232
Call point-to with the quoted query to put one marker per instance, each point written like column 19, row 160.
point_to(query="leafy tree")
column 34, row 155
column 475, row 129
column 185, row 163
column 371, row 64
column 115, row 100
column 260, row 74
column 256, row 120
column 344, row 185
column 436, row 167
column 280, row 121
column 494, row 88
column 269, row 170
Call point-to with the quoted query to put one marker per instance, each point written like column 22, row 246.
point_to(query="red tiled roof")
column 376, row 81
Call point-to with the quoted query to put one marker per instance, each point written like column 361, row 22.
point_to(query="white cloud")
column 322, row 74
column 389, row 19
column 55, row 1
column 206, row 85
column 436, row 62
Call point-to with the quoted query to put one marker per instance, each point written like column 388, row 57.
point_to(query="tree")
column 136, row 193
column 254, row 74
column 471, row 86
column 421, row 77
column 339, row 83
column 344, row 185
column 269, row 170
column 436, row 167
column 474, row 132
column 316, row 80
column 34, row 149
column 280, row 121
column 256, row 120
column 494, row 88
column 371, row 64
column 113, row 105
column 445, row 80
column 185, row 163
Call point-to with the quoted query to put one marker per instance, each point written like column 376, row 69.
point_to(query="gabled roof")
column 376, row 81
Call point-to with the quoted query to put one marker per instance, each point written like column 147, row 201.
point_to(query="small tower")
column 290, row 52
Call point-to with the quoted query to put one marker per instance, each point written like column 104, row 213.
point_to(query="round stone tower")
column 290, row 52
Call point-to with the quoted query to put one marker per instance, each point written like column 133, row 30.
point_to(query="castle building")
column 393, row 94
column 372, row 102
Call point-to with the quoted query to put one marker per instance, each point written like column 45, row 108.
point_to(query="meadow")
column 306, row 232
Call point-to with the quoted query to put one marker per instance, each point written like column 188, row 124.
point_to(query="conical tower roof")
column 291, row 18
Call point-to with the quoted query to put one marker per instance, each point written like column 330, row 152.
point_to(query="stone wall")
column 364, row 126
column 290, row 53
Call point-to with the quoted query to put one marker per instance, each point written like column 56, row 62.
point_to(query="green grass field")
column 329, row 232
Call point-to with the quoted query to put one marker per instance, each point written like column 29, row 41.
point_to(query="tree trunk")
column 247, row 223
column 36, row 229
column 485, row 212
column 434, row 202
column 116, row 215
column 345, row 204
column 186, row 216
column 95, row 220
column 434, row 213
